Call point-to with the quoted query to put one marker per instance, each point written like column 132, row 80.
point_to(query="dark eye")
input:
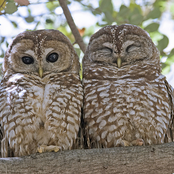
column 27, row 60
column 53, row 57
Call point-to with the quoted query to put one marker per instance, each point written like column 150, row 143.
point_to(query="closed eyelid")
column 132, row 47
column 106, row 49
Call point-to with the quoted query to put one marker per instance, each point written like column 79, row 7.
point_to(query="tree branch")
column 136, row 159
column 2, row 4
column 72, row 25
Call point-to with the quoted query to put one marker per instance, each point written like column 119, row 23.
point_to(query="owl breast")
column 125, row 105
column 46, row 111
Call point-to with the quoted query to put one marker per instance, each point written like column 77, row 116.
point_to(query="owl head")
column 121, row 46
column 40, row 53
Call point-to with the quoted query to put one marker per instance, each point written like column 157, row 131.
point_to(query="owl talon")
column 44, row 148
column 138, row 142
column 124, row 143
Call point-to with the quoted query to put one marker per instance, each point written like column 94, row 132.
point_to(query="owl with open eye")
column 40, row 94
column 127, row 101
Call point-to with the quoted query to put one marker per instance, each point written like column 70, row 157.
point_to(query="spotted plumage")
column 127, row 101
column 40, row 94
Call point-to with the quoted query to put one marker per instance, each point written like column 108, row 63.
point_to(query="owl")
column 40, row 94
column 127, row 101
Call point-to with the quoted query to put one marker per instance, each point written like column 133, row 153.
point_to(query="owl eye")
column 131, row 48
column 27, row 60
column 107, row 50
column 53, row 57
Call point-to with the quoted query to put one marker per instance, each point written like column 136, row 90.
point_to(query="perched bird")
column 127, row 101
column 40, row 94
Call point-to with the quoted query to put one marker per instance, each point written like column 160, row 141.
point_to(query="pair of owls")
column 125, row 99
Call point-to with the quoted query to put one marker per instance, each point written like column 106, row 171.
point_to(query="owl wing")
column 4, row 112
column 0, row 138
column 170, row 133
column 2, row 104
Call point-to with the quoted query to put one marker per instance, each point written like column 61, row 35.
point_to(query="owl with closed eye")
column 40, row 94
column 127, row 101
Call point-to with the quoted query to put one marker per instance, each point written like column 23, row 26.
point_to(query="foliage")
column 2, row 5
column 146, row 14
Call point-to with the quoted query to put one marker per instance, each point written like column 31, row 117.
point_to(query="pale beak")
column 40, row 72
column 119, row 62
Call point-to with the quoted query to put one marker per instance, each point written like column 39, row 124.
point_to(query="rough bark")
column 147, row 159
column 72, row 25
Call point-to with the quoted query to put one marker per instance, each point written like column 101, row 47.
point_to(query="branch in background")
column 72, row 25
column 22, row 2
column 2, row 6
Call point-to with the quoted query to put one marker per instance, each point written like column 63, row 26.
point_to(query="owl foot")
column 45, row 148
column 138, row 142
column 125, row 143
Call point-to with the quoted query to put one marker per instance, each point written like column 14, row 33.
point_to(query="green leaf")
column 161, row 4
column 132, row 6
column 29, row 19
column 2, row 55
column 124, row 11
column 78, row 0
column 106, row 6
column 156, row 36
column 170, row 58
column 155, row 13
column 81, row 72
column 2, row 39
column 78, row 51
column 152, row 27
column 136, row 17
column 109, row 17
column 29, row 11
column 163, row 43
column 96, row 11
column 10, row 0
column 49, row 21
column 52, row 5
column 10, row 8
column 63, row 29
column 165, row 68
column 163, row 65
column 123, row 15
column 172, row 8
column 171, row 53
column 68, row 2
column 6, row 43
column 14, row 24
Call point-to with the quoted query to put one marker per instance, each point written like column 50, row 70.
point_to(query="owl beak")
column 119, row 62
column 40, row 72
